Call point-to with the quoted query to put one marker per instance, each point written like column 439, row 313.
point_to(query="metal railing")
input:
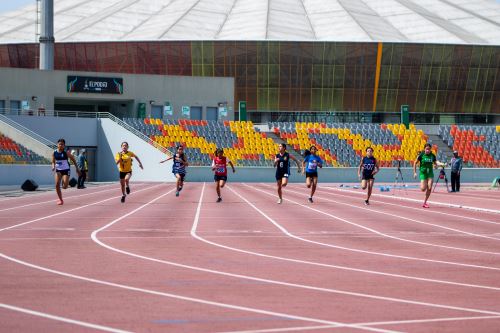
column 27, row 131
column 74, row 114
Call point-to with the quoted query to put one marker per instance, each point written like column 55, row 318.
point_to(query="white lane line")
column 419, row 209
column 54, row 200
column 369, row 252
column 197, row 300
column 63, row 319
column 71, row 210
column 432, row 202
column 379, row 232
column 193, row 232
column 415, row 321
column 179, row 297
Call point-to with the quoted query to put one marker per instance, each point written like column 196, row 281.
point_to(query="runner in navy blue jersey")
column 368, row 167
column 282, row 165
column 60, row 164
column 178, row 167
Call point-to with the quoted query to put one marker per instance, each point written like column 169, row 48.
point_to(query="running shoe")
column 60, row 202
column 219, row 199
column 367, row 202
column 177, row 193
column 280, row 201
column 425, row 205
column 123, row 199
column 127, row 189
column 311, row 200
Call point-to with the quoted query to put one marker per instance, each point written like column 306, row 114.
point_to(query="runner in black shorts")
column 282, row 165
column 368, row 167
column 310, row 166
column 60, row 164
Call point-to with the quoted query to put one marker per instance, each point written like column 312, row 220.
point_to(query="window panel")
column 317, row 79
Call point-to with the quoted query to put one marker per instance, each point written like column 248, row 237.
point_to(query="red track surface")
column 159, row 263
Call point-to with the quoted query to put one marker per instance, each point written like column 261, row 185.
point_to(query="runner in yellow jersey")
column 124, row 161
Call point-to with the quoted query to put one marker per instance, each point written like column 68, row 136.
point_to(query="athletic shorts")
column 123, row 174
column 63, row 172
column 367, row 177
column 311, row 174
column 183, row 175
column 281, row 175
column 426, row 175
column 217, row 178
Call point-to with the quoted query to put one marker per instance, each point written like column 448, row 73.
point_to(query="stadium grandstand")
column 330, row 73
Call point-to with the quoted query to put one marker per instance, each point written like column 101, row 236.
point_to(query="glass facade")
column 304, row 76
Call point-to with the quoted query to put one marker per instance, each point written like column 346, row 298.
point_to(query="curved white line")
column 193, row 233
column 63, row 319
column 362, row 251
column 376, row 231
column 185, row 298
column 427, row 211
column 96, row 239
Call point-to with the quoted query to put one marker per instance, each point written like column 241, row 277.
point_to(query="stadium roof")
column 413, row 21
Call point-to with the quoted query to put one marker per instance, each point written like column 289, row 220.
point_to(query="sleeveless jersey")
column 220, row 164
column 178, row 165
column 62, row 163
column 369, row 165
column 283, row 165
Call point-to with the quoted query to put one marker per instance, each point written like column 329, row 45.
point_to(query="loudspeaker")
column 29, row 185
column 73, row 182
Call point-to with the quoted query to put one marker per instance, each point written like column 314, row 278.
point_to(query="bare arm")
column 296, row 161
column 377, row 168
column 72, row 158
column 360, row 167
column 53, row 162
column 415, row 167
column 232, row 166
column 119, row 159
column 168, row 159
column 138, row 160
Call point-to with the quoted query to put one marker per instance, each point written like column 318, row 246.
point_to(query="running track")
column 159, row 263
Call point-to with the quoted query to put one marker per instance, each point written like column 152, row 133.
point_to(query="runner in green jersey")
column 427, row 162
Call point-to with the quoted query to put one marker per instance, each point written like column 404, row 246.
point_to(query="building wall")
column 304, row 76
column 16, row 174
column 45, row 87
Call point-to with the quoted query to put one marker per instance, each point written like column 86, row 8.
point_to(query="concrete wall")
column 26, row 140
column 334, row 175
column 17, row 174
column 47, row 86
column 78, row 132
column 110, row 136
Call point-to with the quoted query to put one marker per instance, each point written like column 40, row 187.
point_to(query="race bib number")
column 220, row 169
column 281, row 164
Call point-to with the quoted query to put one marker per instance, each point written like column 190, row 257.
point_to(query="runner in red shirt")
column 219, row 166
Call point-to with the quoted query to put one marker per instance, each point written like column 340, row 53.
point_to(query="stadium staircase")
column 20, row 145
column 479, row 146
column 290, row 149
column 445, row 153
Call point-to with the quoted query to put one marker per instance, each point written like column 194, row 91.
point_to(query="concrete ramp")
column 110, row 137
